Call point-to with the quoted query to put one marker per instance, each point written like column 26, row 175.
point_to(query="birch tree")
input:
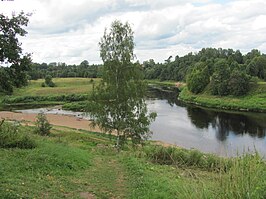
column 119, row 104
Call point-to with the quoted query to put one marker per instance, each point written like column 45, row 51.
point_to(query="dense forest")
column 84, row 69
column 223, row 71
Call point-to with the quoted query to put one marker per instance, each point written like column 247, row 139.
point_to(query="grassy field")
column 253, row 101
column 63, row 86
column 66, row 90
column 77, row 164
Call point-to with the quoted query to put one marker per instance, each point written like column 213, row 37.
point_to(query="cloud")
column 69, row 31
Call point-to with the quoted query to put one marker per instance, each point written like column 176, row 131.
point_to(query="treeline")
column 84, row 69
column 222, row 71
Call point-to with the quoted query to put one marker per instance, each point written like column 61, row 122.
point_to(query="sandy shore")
column 58, row 120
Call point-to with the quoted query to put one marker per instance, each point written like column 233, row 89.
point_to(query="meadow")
column 65, row 90
column 73, row 163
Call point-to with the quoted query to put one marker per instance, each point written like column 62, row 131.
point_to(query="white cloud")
column 69, row 31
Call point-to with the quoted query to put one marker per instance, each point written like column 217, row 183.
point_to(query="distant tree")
column 238, row 83
column 199, row 78
column 10, row 47
column 257, row 67
column 220, row 77
column 119, row 99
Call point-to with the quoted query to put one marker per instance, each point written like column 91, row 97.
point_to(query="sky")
column 69, row 30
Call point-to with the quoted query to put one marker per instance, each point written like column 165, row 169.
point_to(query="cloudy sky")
column 69, row 30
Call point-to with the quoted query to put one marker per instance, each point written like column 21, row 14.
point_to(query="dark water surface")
column 213, row 131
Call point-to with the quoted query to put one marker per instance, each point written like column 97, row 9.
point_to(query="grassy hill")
column 63, row 86
column 78, row 164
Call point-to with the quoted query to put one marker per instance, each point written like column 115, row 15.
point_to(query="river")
column 213, row 131
column 221, row 132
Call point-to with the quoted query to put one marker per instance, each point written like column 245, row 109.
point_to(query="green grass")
column 63, row 86
column 253, row 101
column 66, row 90
column 73, row 164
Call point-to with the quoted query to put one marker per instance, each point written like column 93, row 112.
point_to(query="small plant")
column 49, row 81
column 12, row 136
column 43, row 127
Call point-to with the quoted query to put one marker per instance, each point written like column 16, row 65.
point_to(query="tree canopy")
column 11, row 51
column 221, row 70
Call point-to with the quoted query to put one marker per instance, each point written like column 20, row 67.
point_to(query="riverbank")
column 79, row 164
column 254, row 101
column 58, row 120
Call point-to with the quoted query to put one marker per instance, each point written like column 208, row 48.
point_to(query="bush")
column 11, row 136
column 43, row 127
column 49, row 82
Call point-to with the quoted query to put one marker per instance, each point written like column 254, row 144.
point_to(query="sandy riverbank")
column 58, row 120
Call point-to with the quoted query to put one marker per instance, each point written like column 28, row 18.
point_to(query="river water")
column 221, row 132
column 213, row 131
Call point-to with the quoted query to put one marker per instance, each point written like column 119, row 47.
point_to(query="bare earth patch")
column 58, row 120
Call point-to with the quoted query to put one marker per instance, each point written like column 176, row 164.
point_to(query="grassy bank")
column 66, row 90
column 79, row 164
column 253, row 101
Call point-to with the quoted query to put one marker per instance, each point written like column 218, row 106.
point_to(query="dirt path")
column 58, row 120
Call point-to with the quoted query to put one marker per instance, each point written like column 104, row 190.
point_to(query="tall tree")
column 119, row 103
column 10, row 47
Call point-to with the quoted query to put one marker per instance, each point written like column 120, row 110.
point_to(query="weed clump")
column 11, row 136
column 183, row 157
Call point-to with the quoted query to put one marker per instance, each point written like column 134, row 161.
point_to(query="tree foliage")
column 62, row 70
column 11, row 51
column 220, row 65
column 119, row 103
column 199, row 78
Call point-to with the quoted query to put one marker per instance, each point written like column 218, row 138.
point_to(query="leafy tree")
column 238, row 83
column 5, row 82
column 257, row 67
column 199, row 78
column 10, row 47
column 119, row 103
column 219, row 80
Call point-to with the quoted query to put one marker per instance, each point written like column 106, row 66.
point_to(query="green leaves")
column 118, row 101
column 11, row 51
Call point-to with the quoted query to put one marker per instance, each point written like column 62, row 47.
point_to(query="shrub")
column 11, row 136
column 43, row 127
column 49, row 82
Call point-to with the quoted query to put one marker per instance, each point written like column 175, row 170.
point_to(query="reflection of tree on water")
column 168, row 93
column 226, row 123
